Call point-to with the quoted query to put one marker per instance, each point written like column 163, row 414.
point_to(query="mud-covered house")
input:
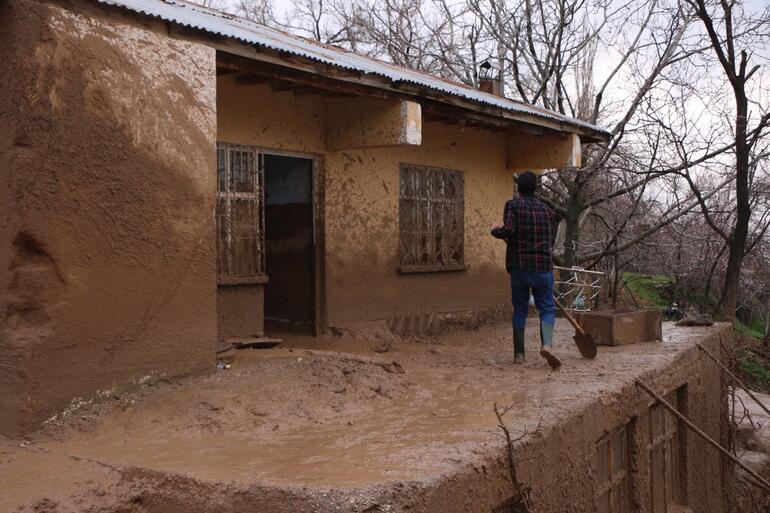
column 173, row 176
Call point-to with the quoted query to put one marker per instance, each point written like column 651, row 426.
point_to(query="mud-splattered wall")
column 362, row 211
column 107, row 155
column 572, row 446
column 363, row 228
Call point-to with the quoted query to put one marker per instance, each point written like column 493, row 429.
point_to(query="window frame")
column 670, row 440
column 229, row 195
column 615, row 479
column 430, row 201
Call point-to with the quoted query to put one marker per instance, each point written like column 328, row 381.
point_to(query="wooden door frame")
column 319, row 232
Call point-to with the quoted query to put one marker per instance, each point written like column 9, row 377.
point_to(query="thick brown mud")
column 331, row 416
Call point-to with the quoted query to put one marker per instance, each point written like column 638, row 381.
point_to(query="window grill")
column 240, row 211
column 432, row 218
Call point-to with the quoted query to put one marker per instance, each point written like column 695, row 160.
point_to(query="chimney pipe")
column 489, row 81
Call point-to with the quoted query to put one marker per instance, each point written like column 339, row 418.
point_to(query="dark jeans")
column 541, row 285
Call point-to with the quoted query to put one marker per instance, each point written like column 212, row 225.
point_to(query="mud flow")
column 325, row 422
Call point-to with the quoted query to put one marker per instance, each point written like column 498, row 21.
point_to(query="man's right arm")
column 508, row 229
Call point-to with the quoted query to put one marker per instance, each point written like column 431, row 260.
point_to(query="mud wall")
column 570, row 449
column 107, row 156
column 361, row 222
column 363, row 228
column 240, row 311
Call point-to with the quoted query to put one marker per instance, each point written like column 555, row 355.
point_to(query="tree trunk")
column 617, row 276
column 729, row 299
column 571, row 231
column 706, row 303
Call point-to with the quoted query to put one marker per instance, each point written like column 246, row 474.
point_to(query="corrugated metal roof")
column 215, row 22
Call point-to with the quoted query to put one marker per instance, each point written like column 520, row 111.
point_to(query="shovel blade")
column 586, row 345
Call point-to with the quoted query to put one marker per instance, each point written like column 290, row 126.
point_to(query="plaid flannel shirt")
column 527, row 231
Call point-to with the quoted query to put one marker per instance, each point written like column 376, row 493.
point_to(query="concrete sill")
column 412, row 269
column 234, row 281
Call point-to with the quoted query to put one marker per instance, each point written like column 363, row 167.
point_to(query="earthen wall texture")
column 557, row 461
column 240, row 311
column 107, row 156
column 361, row 206
column 563, row 464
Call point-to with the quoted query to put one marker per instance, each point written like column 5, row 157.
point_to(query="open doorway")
column 289, row 244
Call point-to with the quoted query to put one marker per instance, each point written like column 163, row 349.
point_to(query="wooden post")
column 735, row 378
column 761, row 482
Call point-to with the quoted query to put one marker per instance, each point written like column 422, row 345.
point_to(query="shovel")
column 585, row 341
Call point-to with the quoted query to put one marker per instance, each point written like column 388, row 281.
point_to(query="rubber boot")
column 546, row 349
column 518, row 345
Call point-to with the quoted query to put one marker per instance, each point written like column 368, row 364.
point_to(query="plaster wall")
column 240, row 311
column 572, row 447
column 363, row 228
column 360, row 205
column 107, row 159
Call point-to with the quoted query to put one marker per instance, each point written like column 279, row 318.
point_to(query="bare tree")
column 322, row 20
column 551, row 47
column 260, row 11
column 728, row 27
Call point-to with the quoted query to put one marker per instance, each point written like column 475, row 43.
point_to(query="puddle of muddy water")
column 411, row 439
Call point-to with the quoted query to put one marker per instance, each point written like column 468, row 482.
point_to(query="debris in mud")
column 693, row 318
column 384, row 348
column 393, row 368
column 379, row 390
column 254, row 342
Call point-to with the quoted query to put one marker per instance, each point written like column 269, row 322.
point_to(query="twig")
column 625, row 286
column 521, row 489
column 746, row 414
column 508, row 442
column 760, row 481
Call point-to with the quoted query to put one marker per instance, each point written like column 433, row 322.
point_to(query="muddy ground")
column 323, row 424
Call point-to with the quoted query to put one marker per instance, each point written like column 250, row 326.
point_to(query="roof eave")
column 471, row 100
column 260, row 54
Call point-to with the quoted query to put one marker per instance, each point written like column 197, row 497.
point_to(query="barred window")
column 240, row 211
column 612, row 472
column 432, row 224
column 665, row 457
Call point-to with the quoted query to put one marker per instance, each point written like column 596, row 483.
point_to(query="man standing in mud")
column 527, row 230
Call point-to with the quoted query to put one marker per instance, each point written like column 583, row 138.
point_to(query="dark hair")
column 526, row 182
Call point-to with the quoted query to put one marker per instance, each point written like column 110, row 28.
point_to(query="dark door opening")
column 289, row 244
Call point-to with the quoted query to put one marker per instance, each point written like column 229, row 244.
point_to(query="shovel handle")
column 569, row 317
